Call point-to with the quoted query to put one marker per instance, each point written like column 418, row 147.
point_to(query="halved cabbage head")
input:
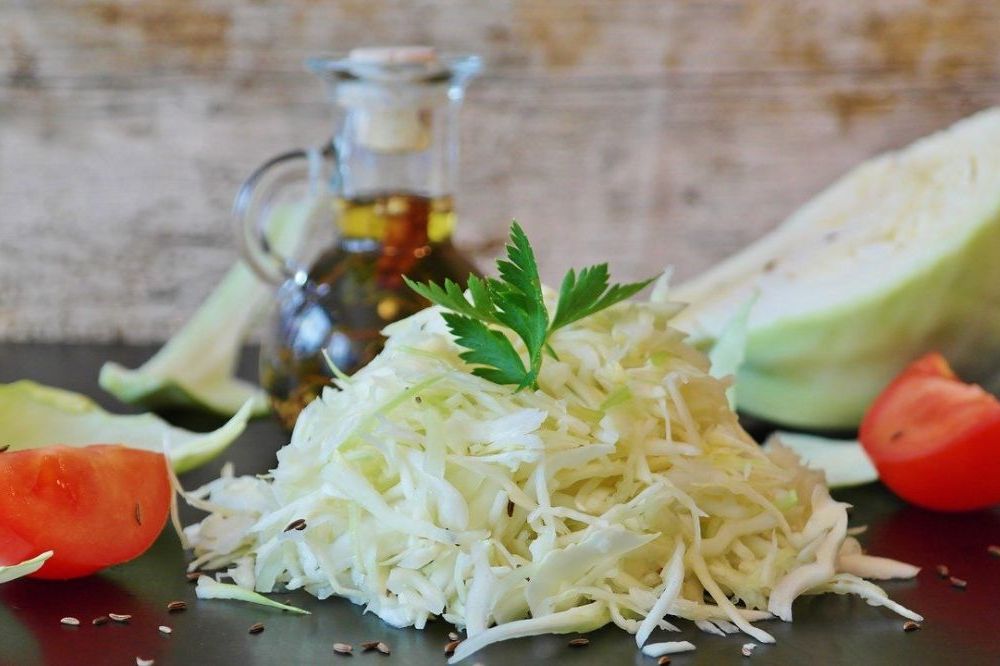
column 898, row 258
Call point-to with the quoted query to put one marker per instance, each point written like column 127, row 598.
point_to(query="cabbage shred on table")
column 622, row 490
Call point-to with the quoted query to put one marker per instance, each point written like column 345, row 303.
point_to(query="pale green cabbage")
column 34, row 415
column 623, row 490
column 14, row 571
column 197, row 366
column 896, row 259
column 843, row 462
column 209, row 588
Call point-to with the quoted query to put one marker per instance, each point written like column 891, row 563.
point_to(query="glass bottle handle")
column 255, row 201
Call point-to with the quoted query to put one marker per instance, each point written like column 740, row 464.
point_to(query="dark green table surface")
column 961, row 627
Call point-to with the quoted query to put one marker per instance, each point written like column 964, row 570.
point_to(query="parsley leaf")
column 583, row 296
column 489, row 348
column 515, row 301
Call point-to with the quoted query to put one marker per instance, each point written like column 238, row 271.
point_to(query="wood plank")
column 645, row 133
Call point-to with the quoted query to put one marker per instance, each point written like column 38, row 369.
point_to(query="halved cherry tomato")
column 934, row 439
column 93, row 506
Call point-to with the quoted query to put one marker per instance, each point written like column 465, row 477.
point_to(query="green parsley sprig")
column 514, row 301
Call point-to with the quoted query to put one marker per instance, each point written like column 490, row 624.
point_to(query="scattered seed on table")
column 119, row 617
column 449, row 649
column 139, row 661
column 369, row 645
column 993, row 550
column 101, row 619
column 138, row 513
column 383, row 648
column 342, row 648
column 297, row 524
column 510, row 508
column 747, row 649
column 164, row 629
column 256, row 628
column 70, row 621
column 193, row 576
column 452, row 636
column 958, row 583
column 910, row 625
column 579, row 642
column 176, row 606
column 943, row 571
column 663, row 661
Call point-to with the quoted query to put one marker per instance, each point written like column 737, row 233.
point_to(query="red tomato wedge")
column 934, row 439
column 93, row 506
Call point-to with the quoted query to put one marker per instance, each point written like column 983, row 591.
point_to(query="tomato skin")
column 93, row 506
column 934, row 439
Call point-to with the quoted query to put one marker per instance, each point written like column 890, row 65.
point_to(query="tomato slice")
column 93, row 506
column 934, row 439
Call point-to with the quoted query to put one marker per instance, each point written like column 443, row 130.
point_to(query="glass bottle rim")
column 341, row 66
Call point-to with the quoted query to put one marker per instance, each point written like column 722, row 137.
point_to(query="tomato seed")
column 910, row 625
column 449, row 649
column 117, row 617
column 383, row 648
column 663, row 661
column 452, row 636
column 70, row 621
column 256, row 628
column 193, row 576
column 139, row 661
column 164, row 629
column 579, row 642
column 98, row 621
column 510, row 508
column 176, row 606
column 747, row 649
column 369, row 645
column 943, row 571
column 342, row 648
column 958, row 583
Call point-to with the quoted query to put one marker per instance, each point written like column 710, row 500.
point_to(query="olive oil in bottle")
column 357, row 288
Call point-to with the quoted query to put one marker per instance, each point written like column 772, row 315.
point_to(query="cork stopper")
column 386, row 55
column 391, row 123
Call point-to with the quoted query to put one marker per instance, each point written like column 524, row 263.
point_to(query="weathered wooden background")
column 646, row 133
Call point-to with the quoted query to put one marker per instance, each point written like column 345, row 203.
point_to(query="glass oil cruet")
column 388, row 178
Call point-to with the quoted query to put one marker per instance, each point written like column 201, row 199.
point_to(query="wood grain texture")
column 644, row 133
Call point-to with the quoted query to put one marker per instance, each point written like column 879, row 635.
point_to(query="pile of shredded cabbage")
column 622, row 490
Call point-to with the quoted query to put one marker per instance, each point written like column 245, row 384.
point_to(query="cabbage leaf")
column 729, row 351
column 196, row 367
column 34, row 415
column 843, row 461
column 26, row 568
